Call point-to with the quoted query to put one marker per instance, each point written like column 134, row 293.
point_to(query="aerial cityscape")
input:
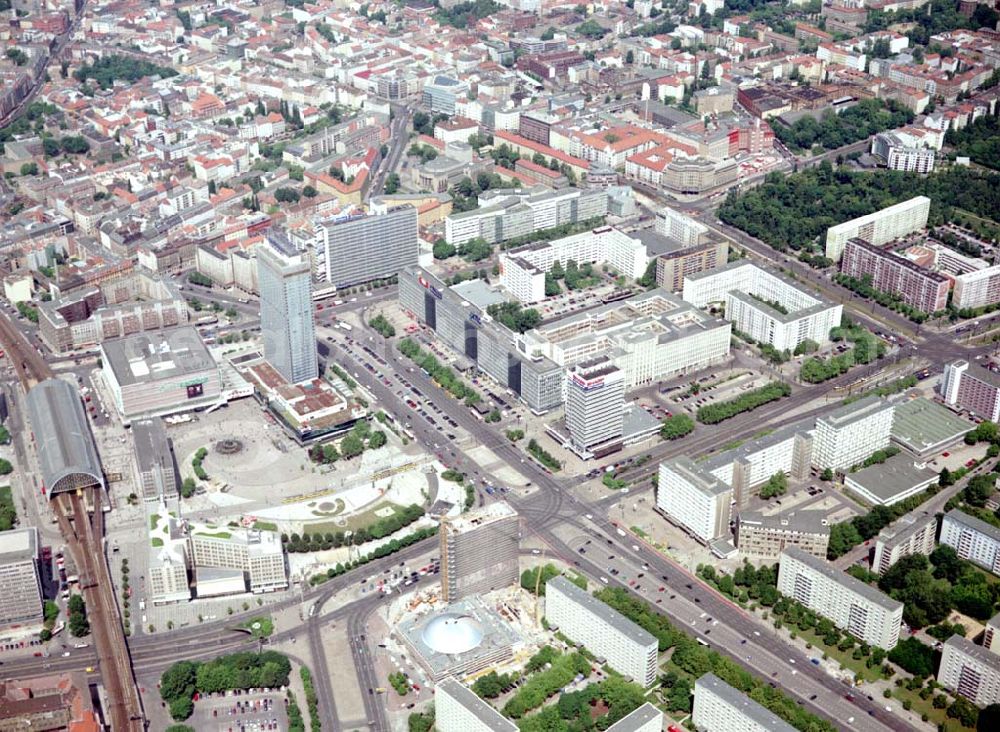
column 500, row 365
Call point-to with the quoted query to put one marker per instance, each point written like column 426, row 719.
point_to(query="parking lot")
column 241, row 712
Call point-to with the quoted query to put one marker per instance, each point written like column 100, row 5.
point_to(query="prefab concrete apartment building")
column 852, row 605
column 969, row 386
column 764, row 305
column 879, row 227
column 918, row 287
column 718, row 707
column 459, row 709
column 694, row 499
column 605, row 632
column 849, row 434
column 972, row 539
column 366, row 248
column 970, row 670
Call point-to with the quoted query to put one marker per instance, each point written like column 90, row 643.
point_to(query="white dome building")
column 451, row 634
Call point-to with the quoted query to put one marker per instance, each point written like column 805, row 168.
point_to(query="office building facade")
column 258, row 554
column 605, row 632
column 718, row 707
column 363, row 249
column 969, row 386
column 849, row 434
column 595, row 405
column 459, row 709
column 916, row 286
column 852, row 605
column 694, row 499
column 762, row 537
column 972, row 539
column 286, row 310
column 909, row 535
column 21, row 599
column 156, row 466
column 879, row 227
column 764, row 305
column 479, row 551
column 970, row 671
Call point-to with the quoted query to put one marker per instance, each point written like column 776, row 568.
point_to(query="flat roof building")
column 459, row 709
column 694, row 499
column 595, row 404
column 969, row 386
column 765, row 537
column 286, row 309
column 21, row 599
column 629, row 650
column 888, row 483
column 970, row 671
column 646, row 718
column 972, row 539
column 911, row 534
column 718, row 707
column 155, row 463
column 67, row 454
column 479, row 551
column 924, row 428
column 920, row 288
column 763, row 304
column 367, row 248
column 879, row 227
column 158, row 373
column 991, row 635
column 852, row 605
column 849, row 434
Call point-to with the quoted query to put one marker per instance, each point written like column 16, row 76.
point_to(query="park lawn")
column 352, row 523
column 842, row 657
column 8, row 514
column 925, row 706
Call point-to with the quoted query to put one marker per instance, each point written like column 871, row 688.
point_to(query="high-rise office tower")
column 479, row 551
column 595, row 405
column 286, row 309
column 21, row 599
column 367, row 248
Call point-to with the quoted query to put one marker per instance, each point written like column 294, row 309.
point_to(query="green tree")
column 676, row 426
column 351, row 446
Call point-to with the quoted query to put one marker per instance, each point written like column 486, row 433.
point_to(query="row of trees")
column 512, row 315
column 676, row 426
column 543, row 456
column 715, row 413
column 391, row 547
column 539, row 687
column 575, row 710
column 180, row 682
column 381, row 325
column 443, row 375
column 380, row 529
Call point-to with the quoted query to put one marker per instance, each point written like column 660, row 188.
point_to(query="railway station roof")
column 65, row 444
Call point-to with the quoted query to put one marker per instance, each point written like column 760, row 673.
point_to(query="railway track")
column 83, row 532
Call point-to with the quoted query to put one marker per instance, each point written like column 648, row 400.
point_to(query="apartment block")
column 970, row 670
column 764, row 305
column 899, row 152
column 977, row 289
column 694, row 499
column 363, row 248
column 918, row 287
column 21, row 600
column 969, row 386
column 991, row 636
column 479, row 551
column 849, row 434
column 879, row 227
column 718, row 707
column 510, row 214
column 595, row 405
column 909, row 535
column 681, row 261
column 680, row 227
column 522, row 270
column 762, row 537
column 458, row 709
column 851, row 605
column 646, row 718
column 972, row 539
column 747, row 467
column 605, row 632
